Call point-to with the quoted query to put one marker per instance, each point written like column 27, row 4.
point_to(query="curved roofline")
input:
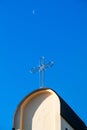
column 37, row 90
column 66, row 111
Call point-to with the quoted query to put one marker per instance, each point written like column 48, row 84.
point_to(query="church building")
column 44, row 109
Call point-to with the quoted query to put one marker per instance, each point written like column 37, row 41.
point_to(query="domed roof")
column 66, row 112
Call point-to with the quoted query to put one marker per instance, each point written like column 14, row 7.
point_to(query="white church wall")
column 40, row 110
column 65, row 125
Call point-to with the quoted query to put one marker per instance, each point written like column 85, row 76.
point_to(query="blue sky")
column 55, row 29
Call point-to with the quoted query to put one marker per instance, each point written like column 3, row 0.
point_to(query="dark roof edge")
column 70, row 116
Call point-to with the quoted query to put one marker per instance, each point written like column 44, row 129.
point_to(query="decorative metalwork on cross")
column 41, row 68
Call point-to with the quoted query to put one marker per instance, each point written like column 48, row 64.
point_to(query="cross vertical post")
column 41, row 71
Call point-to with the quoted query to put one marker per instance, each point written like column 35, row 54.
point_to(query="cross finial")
column 41, row 68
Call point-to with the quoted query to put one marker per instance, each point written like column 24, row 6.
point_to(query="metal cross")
column 41, row 68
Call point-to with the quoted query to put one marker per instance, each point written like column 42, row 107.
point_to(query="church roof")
column 66, row 112
column 71, row 117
